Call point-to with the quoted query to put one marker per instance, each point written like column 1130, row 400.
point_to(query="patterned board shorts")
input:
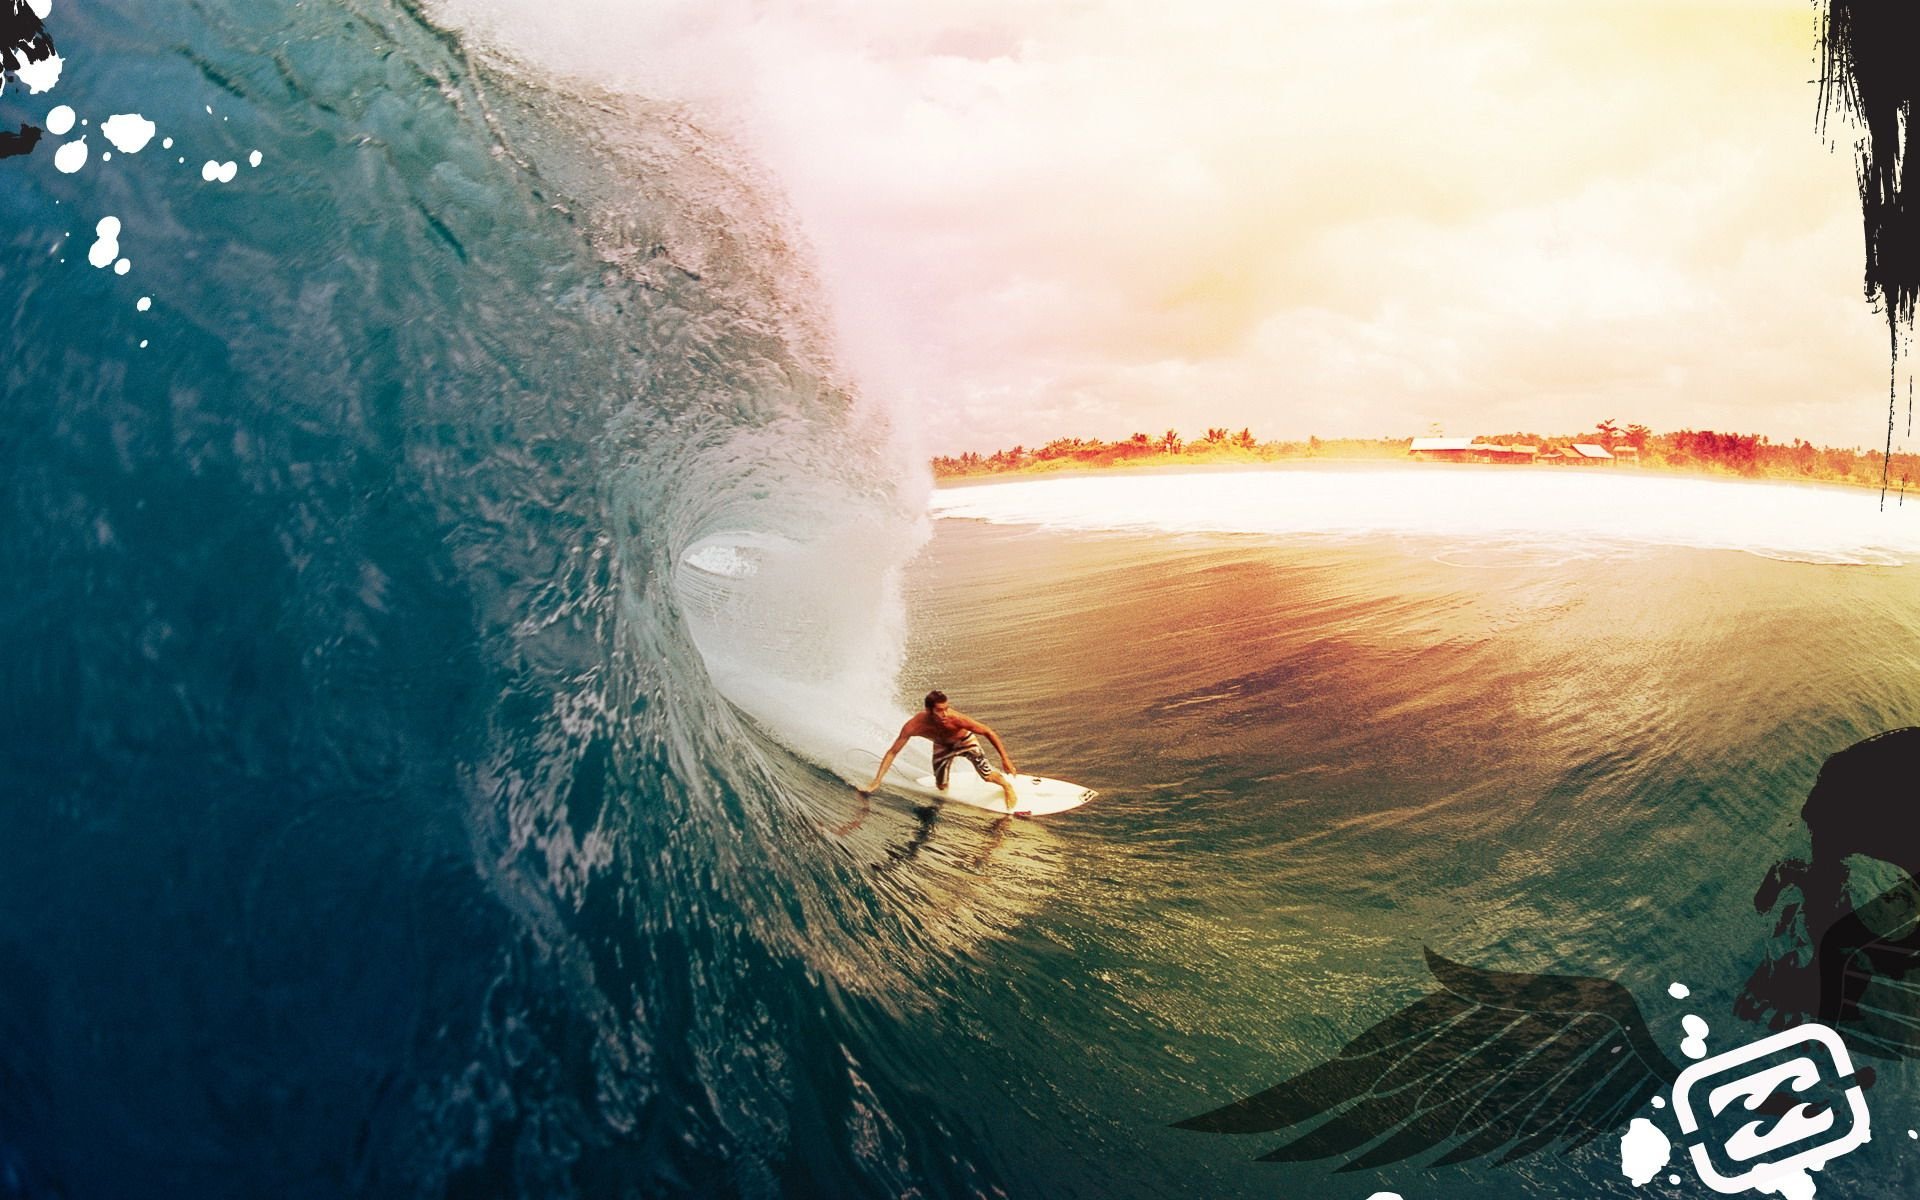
column 966, row 748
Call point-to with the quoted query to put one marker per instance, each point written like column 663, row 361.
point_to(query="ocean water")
column 426, row 659
column 1325, row 749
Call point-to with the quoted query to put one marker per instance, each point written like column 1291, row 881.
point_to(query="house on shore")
column 1586, row 454
column 1441, row 449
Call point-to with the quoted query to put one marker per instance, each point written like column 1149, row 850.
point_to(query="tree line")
column 1702, row 450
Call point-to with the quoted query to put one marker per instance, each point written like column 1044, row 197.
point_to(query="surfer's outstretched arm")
column 885, row 762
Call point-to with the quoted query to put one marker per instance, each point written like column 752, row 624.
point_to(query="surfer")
column 952, row 736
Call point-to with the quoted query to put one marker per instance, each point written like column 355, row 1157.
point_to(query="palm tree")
column 1607, row 431
column 1637, row 436
column 1170, row 441
column 1244, row 439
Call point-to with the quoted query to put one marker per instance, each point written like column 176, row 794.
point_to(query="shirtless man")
column 952, row 736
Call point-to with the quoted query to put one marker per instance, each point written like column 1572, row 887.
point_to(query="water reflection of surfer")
column 951, row 733
column 925, row 816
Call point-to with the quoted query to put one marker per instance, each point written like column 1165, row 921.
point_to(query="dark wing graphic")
column 1492, row 1063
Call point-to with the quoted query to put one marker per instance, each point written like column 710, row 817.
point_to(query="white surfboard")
column 1038, row 795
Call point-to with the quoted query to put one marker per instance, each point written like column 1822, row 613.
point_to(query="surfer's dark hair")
column 936, row 696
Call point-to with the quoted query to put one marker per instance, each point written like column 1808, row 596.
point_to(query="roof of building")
column 1589, row 450
column 1440, row 443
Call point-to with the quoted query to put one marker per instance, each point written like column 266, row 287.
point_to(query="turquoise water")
column 420, row 659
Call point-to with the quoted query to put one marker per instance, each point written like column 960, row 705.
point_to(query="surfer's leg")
column 979, row 760
column 942, row 766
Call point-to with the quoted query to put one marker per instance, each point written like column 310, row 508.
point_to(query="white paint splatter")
column 210, row 170
column 106, row 244
column 60, row 119
column 209, row 110
column 253, row 160
column 71, row 157
column 129, row 132
column 1659, row 1102
column 166, row 143
column 1794, row 1185
column 40, row 8
column 143, row 343
column 228, row 170
column 122, row 267
column 214, row 170
column 146, row 302
column 1679, row 991
column 1644, row 1151
column 1695, row 1043
column 39, row 76
column 1913, row 1133
column 1674, row 1180
column 1384, row 1196
column 106, row 156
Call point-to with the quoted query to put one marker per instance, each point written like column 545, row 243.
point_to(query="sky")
column 1330, row 217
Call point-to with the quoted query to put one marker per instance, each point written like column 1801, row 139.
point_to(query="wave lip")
column 1552, row 512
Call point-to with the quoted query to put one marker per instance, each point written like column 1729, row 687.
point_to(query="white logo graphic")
column 1741, row 1163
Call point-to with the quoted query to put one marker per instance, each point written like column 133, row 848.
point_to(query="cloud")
column 1325, row 217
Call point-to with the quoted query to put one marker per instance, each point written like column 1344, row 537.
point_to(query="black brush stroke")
column 1869, row 52
column 23, row 40
column 14, row 144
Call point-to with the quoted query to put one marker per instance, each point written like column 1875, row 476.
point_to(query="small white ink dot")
column 106, row 156
column 143, row 343
column 1659, row 1103
column 166, row 143
column 146, row 302
column 106, row 244
column 1679, row 991
column 253, row 160
column 1695, row 1044
column 1674, row 1180
column 71, row 157
column 1913, row 1133
column 60, row 119
column 209, row 110
column 122, row 267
